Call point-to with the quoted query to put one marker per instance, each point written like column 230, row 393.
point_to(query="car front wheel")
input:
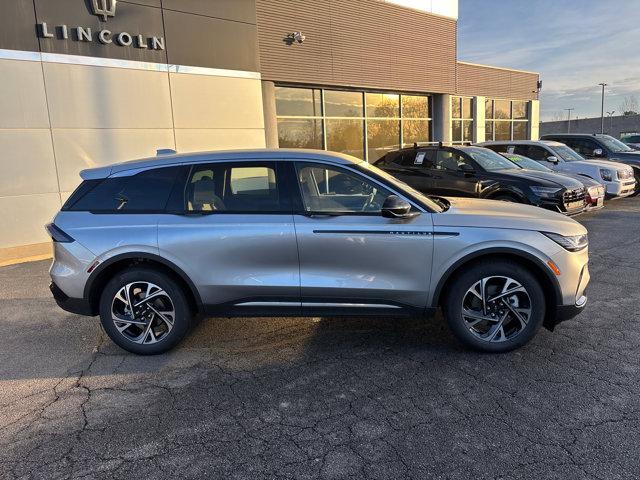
column 144, row 311
column 495, row 306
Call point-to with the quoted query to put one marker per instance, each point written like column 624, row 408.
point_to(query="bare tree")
column 558, row 117
column 629, row 105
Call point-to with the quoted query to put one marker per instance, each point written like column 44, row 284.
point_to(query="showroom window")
column 363, row 124
column 506, row 119
column 461, row 119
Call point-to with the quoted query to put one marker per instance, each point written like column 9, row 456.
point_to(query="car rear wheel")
column 145, row 311
column 495, row 306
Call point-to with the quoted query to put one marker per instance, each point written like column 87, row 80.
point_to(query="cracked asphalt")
column 364, row 398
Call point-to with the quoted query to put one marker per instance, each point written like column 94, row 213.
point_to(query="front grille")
column 625, row 174
column 573, row 199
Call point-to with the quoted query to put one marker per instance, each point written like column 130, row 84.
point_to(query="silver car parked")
column 151, row 244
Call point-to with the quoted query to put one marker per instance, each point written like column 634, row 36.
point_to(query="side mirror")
column 598, row 152
column 552, row 159
column 466, row 169
column 395, row 207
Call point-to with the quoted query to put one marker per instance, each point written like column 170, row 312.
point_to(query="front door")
column 233, row 234
column 352, row 259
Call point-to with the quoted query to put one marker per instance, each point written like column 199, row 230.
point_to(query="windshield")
column 614, row 145
column 401, row 186
column 488, row 159
column 566, row 154
column 524, row 162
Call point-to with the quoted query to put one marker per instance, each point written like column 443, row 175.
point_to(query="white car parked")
column 617, row 177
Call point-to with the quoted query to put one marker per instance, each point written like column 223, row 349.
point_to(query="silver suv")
column 150, row 245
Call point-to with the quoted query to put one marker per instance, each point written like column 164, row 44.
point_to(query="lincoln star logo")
column 104, row 8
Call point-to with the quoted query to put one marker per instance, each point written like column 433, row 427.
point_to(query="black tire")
column 182, row 321
column 459, row 287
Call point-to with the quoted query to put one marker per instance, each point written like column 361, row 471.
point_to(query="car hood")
column 586, row 181
column 627, row 156
column 474, row 212
column 543, row 178
column 605, row 164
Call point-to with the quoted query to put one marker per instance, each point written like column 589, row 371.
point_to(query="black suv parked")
column 601, row 147
column 463, row 171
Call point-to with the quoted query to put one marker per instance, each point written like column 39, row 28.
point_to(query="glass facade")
column 363, row 124
column 506, row 119
column 461, row 119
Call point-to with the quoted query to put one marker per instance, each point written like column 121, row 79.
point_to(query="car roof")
column 569, row 135
column 281, row 154
column 549, row 143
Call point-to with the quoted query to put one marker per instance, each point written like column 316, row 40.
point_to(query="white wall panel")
column 22, row 96
column 82, row 96
column 202, row 101
column 192, row 140
column 28, row 165
column 77, row 149
column 23, row 217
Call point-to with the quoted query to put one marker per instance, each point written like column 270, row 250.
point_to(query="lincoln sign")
column 104, row 36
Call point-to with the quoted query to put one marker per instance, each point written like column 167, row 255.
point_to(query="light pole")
column 610, row 114
column 569, row 110
column 602, row 110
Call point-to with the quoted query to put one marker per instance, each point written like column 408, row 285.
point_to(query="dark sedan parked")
column 595, row 191
column 464, row 171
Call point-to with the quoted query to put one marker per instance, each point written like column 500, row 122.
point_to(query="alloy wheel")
column 143, row 312
column 496, row 309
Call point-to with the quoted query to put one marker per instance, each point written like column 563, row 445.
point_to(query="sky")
column 573, row 44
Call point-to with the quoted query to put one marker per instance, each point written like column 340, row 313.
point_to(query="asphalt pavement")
column 363, row 398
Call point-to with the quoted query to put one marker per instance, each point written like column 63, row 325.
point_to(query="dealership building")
column 90, row 82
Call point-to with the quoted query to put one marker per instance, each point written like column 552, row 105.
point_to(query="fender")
column 491, row 192
column 145, row 256
column 496, row 250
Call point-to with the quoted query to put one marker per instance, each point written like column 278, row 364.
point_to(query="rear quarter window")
column 145, row 192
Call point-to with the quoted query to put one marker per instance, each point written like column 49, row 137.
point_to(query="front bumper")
column 565, row 312
column 79, row 306
column 621, row 188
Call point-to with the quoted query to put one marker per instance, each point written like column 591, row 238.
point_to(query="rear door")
column 352, row 259
column 415, row 168
column 231, row 230
column 449, row 177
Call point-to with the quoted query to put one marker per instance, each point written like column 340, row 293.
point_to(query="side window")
column 583, row 146
column 147, row 191
column 334, row 190
column 221, row 187
column 521, row 150
column 418, row 158
column 390, row 158
column 451, row 161
column 497, row 148
column 537, row 153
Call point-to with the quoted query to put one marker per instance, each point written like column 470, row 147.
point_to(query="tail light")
column 57, row 234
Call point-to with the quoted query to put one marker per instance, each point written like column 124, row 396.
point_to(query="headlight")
column 574, row 243
column 545, row 192
column 595, row 191
column 606, row 174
